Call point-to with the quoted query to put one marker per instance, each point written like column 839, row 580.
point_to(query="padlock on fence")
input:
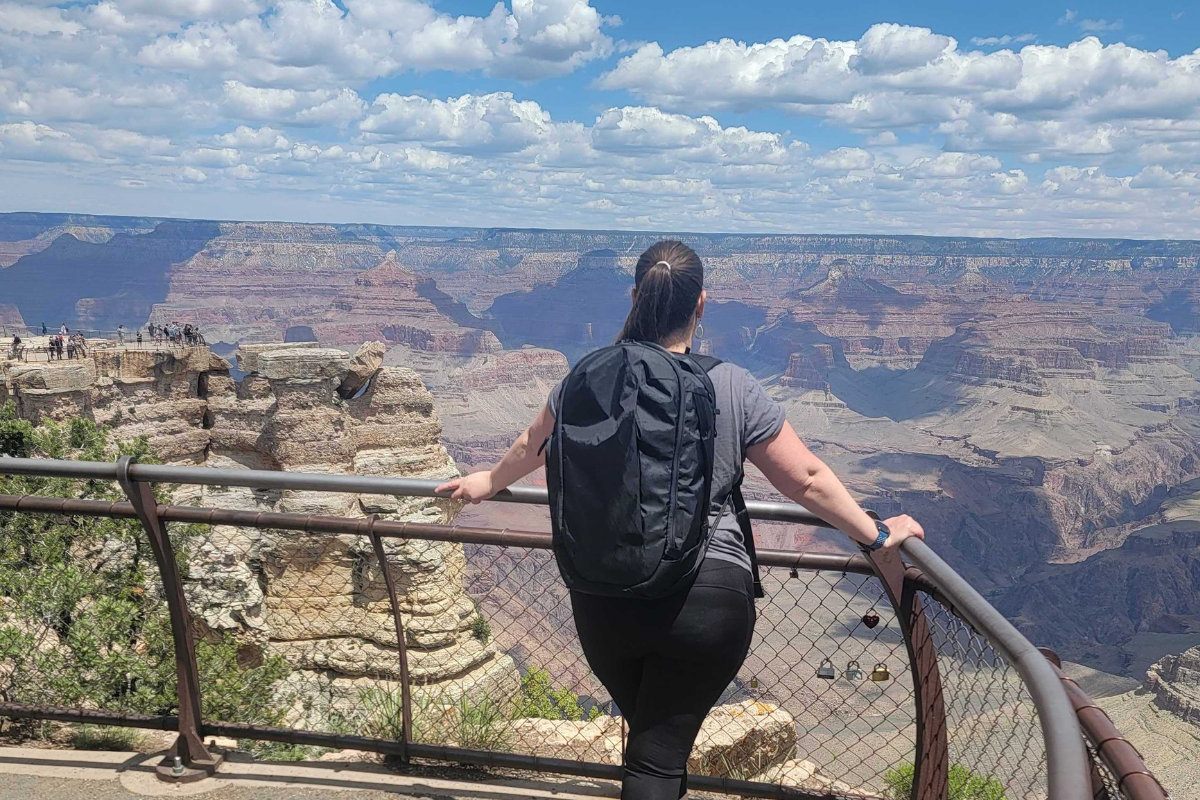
column 881, row 673
column 853, row 672
column 826, row 670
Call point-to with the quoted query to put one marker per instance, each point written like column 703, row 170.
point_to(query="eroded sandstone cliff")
column 1175, row 682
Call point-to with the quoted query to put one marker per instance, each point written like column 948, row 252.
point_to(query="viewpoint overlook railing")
column 867, row 677
column 35, row 346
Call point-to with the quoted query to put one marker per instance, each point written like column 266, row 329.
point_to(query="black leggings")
column 666, row 663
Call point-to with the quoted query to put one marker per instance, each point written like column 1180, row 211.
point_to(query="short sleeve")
column 763, row 417
column 552, row 402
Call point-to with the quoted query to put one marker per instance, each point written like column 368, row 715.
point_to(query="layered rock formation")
column 387, row 301
column 732, row 737
column 317, row 601
column 344, row 293
column 1175, row 682
column 135, row 392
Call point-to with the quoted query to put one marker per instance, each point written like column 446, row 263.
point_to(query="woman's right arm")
column 799, row 475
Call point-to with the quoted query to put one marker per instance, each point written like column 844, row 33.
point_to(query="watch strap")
column 884, row 533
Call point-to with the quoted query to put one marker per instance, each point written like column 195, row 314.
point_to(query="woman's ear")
column 700, row 304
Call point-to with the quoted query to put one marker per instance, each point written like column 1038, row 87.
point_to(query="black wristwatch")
column 884, row 533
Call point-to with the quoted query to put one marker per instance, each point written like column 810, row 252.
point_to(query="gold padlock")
column 754, row 683
column 853, row 672
column 826, row 671
column 880, row 673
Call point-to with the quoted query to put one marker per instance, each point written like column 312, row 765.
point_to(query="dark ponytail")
column 667, row 286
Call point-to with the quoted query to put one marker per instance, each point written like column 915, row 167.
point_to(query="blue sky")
column 1014, row 119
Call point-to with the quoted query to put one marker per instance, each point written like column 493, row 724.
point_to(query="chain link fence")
column 1110, row 787
column 993, row 731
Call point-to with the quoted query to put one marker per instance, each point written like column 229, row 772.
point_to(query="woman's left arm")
column 523, row 457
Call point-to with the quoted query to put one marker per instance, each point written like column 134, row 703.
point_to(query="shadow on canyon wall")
column 101, row 285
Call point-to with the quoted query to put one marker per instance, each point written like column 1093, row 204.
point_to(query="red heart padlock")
column 870, row 619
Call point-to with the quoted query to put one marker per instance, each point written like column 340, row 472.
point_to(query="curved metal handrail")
column 1067, row 761
column 318, row 482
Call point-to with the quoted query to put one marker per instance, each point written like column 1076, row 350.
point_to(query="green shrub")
column 16, row 435
column 475, row 724
column 278, row 751
column 540, row 700
column 480, row 725
column 104, row 737
column 385, row 714
column 964, row 784
column 481, row 629
column 81, row 616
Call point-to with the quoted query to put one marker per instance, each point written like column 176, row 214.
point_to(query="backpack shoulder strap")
column 707, row 363
column 743, row 519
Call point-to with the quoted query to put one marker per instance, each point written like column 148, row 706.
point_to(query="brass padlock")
column 754, row 683
column 853, row 672
column 826, row 670
column 880, row 673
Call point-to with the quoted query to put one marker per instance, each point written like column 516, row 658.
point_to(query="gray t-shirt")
column 747, row 416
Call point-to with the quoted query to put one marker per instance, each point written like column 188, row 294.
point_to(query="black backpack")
column 629, row 472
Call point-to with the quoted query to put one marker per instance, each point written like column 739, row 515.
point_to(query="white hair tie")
column 668, row 263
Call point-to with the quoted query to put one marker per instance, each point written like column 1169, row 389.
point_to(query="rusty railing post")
column 188, row 759
column 402, row 646
column 932, row 762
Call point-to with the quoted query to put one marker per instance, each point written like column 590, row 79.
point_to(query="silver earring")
column 699, row 329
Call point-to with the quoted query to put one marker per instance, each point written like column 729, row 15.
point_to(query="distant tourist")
column 120, row 334
column 63, row 330
column 71, row 348
column 43, row 329
column 662, row 580
column 139, row 337
column 58, row 346
column 16, row 347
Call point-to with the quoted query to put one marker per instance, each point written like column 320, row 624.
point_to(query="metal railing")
column 428, row 640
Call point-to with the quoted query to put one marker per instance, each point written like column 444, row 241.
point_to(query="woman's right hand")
column 902, row 527
column 473, row 488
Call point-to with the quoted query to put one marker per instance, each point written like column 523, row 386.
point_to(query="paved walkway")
column 72, row 775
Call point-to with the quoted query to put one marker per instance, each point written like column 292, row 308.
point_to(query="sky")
column 1004, row 119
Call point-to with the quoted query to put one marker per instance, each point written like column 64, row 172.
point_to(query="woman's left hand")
column 473, row 488
column 901, row 528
